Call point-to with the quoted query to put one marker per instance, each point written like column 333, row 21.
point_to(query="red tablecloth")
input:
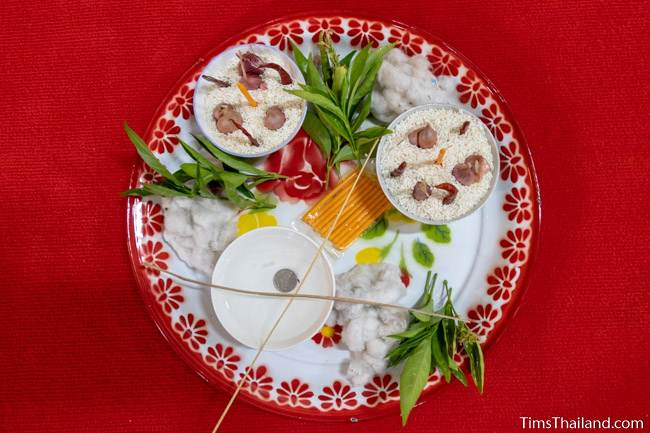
column 78, row 351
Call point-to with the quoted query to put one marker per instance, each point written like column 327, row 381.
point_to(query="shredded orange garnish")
column 252, row 102
column 366, row 204
column 441, row 156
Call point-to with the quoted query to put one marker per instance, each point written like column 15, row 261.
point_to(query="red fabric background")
column 78, row 352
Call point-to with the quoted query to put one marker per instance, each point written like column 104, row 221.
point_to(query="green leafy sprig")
column 339, row 93
column 429, row 343
column 221, row 176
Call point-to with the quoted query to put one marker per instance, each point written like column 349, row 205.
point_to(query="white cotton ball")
column 378, row 348
column 396, row 56
column 378, row 364
column 370, row 325
column 378, row 102
column 359, row 371
column 420, row 66
column 385, row 74
column 393, row 324
column 447, row 84
column 352, row 335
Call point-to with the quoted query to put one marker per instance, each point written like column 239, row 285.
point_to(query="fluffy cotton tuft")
column 365, row 327
column 405, row 82
column 198, row 230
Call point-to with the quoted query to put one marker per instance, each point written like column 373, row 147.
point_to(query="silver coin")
column 285, row 280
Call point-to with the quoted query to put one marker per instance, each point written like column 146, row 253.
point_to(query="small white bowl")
column 225, row 56
column 251, row 262
column 382, row 146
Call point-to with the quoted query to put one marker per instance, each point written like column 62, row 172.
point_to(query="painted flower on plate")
column 328, row 335
column 514, row 245
column 167, row 294
column 193, row 331
column 306, row 170
column 517, row 205
column 380, row 389
column 332, row 25
column 294, row 393
column 501, row 283
column 258, row 382
column 409, row 43
column 363, row 33
column 494, row 120
column 471, row 90
column 442, row 62
column 149, row 175
column 152, row 253
column 338, row 396
column 512, row 166
column 152, row 218
column 165, row 136
column 482, row 319
column 181, row 104
column 223, row 359
column 282, row 35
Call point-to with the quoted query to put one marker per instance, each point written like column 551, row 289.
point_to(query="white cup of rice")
column 447, row 121
column 208, row 95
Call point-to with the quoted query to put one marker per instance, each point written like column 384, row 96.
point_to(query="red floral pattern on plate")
column 364, row 33
column 328, row 335
column 501, row 283
column 149, row 175
column 517, row 205
column 282, row 35
column 193, row 331
column 223, row 359
column 482, row 319
column 514, row 245
column 152, row 253
column 165, row 136
column 380, row 389
column 152, row 218
column 258, row 382
column 408, row 42
column 319, row 25
column 167, row 294
column 472, row 90
column 338, row 396
column 181, row 104
column 442, row 62
column 306, row 168
column 294, row 393
column 494, row 120
column 512, row 166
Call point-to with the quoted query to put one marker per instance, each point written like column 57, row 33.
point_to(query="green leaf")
column 376, row 229
column 334, row 123
column 372, row 133
column 318, row 132
column 300, row 59
column 232, row 161
column 364, row 110
column 414, row 378
column 440, row 234
column 457, row 372
column 146, row 155
column 357, row 66
column 476, row 364
column 232, row 179
column 422, row 254
column 347, row 59
column 345, row 154
column 439, row 352
column 386, row 250
column 310, row 95
column 135, row 192
column 196, row 156
column 163, row 191
column 324, row 60
column 411, row 331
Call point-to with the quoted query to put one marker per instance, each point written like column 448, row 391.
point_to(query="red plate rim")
column 508, row 310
